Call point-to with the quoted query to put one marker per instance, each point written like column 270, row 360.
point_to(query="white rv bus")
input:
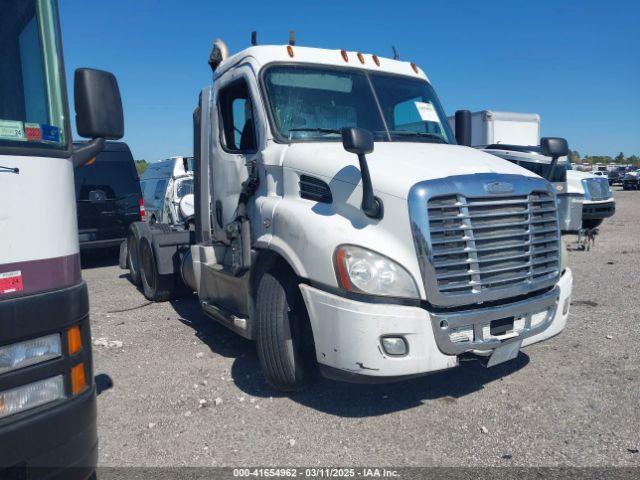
column 47, row 392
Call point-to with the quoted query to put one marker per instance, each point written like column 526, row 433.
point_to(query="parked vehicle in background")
column 108, row 197
column 47, row 390
column 614, row 177
column 516, row 137
column 595, row 194
column 164, row 184
column 338, row 223
column 631, row 180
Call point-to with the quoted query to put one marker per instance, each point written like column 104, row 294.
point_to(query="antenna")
column 395, row 53
column 254, row 38
column 292, row 38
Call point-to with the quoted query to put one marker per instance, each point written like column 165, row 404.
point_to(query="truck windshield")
column 314, row 103
column 32, row 105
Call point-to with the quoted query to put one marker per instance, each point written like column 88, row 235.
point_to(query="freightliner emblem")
column 498, row 187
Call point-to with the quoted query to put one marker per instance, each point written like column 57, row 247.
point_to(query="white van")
column 164, row 184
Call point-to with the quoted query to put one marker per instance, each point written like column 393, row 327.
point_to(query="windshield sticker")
column 50, row 133
column 12, row 130
column 32, row 131
column 427, row 112
column 10, row 282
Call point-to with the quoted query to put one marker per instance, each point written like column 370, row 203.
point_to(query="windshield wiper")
column 316, row 129
column 9, row 169
column 433, row 136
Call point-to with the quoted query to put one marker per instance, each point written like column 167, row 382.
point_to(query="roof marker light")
column 345, row 57
column 361, row 58
column 415, row 67
column 376, row 60
column 290, row 50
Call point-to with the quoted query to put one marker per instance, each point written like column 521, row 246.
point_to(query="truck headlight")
column 361, row 270
column 29, row 352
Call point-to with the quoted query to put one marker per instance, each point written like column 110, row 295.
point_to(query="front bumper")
column 348, row 333
column 598, row 210
column 58, row 439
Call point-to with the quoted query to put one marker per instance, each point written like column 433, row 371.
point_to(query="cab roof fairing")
column 264, row 55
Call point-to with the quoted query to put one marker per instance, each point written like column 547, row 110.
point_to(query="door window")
column 237, row 119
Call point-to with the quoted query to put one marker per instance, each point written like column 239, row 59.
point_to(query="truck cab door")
column 235, row 143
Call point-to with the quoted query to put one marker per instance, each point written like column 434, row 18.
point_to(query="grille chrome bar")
column 475, row 246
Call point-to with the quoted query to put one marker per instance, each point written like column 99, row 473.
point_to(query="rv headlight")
column 29, row 352
column 361, row 270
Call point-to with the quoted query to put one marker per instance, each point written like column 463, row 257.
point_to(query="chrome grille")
column 478, row 246
column 483, row 243
column 596, row 188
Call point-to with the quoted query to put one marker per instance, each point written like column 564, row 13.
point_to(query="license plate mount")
column 504, row 353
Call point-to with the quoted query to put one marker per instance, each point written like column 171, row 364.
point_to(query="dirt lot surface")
column 188, row 392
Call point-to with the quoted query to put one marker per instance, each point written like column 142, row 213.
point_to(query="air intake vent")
column 315, row 189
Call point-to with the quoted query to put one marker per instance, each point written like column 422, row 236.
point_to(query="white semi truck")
column 584, row 199
column 338, row 224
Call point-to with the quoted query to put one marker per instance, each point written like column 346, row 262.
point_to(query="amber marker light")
column 415, row 67
column 74, row 340
column 290, row 50
column 376, row 60
column 345, row 57
column 78, row 380
column 361, row 58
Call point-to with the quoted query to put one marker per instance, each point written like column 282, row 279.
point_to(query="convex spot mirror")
column 186, row 206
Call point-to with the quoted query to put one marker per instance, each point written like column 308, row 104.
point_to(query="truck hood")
column 395, row 166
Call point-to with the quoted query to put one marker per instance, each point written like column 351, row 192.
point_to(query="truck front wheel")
column 283, row 332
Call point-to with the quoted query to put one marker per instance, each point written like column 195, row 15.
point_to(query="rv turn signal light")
column 78, row 380
column 74, row 340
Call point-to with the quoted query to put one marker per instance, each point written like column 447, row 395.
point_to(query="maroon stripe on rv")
column 45, row 274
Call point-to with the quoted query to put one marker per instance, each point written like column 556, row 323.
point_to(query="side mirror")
column 360, row 142
column 357, row 140
column 554, row 147
column 99, row 113
column 463, row 127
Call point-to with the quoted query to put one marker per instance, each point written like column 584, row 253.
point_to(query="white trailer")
column 489, row 127
column 338, row 224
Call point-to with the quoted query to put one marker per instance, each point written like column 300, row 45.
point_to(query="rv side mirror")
column 463, row 127
column 98, row 111
column 357, row 140
column 554, row 147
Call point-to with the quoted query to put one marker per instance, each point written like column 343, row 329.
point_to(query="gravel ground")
column 188, row 392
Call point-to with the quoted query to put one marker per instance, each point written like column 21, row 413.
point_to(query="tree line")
column 620, row 158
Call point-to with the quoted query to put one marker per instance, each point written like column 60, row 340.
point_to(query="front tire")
column 283, row 332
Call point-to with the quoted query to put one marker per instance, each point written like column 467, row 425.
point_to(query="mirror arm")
column 371, row 206
column 88, row 150
column 554, row 162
